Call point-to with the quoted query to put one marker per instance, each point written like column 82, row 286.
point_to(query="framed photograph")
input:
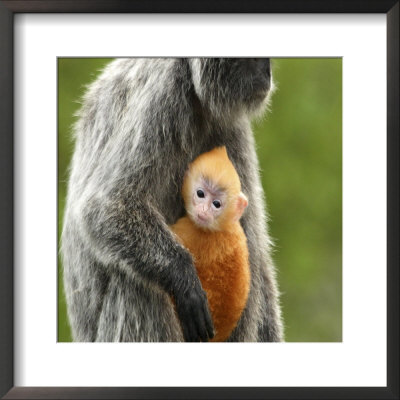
column 326, row 152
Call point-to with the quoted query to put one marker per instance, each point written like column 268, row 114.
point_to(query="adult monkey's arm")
column 122, row 231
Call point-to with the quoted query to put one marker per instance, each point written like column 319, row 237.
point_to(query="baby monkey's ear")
column 241, row 204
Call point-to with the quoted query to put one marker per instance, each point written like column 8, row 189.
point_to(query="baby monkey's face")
column 208, row 204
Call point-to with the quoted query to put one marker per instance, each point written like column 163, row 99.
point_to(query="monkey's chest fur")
column 222, row 264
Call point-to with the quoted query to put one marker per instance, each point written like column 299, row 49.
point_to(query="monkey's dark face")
column 227, row 85
column 255, row 73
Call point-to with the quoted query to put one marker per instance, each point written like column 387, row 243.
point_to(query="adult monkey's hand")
column 194, row 314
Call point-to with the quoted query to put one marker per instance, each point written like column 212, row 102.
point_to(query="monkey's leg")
column 270, row 329
column 85, row 283
column 136, row 311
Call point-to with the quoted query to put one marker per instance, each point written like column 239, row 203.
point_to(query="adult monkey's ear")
column 241, row 204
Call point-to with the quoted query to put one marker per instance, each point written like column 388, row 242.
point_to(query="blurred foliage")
column 299, row 144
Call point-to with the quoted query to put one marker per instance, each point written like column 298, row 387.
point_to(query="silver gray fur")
column 141, row 123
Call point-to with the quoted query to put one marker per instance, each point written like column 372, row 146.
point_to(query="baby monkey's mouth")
column 204, row 222
column 202, row 219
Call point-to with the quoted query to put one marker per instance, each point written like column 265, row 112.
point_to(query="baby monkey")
column 212, row 233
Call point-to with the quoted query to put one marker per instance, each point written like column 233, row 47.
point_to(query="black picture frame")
column 7, row 11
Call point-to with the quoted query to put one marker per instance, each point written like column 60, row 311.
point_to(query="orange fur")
column 221, row 255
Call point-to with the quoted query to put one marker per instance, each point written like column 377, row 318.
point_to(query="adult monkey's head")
column 230, row 87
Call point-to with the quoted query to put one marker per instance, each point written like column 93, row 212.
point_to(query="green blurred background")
column 299, row 144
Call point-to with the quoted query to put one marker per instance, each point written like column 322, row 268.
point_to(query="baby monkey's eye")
column 217, row 203
column 200, row 193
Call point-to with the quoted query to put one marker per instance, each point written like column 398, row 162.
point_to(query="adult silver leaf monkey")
column 141, row 123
